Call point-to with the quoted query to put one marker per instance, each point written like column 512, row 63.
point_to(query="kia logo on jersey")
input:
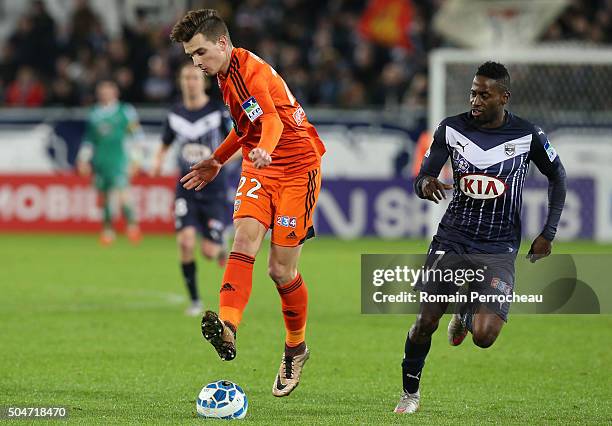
column 481, row 187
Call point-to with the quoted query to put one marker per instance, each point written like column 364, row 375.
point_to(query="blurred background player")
column 196, row 126
column 278, row 188
column 105, row 152
column 482, row 224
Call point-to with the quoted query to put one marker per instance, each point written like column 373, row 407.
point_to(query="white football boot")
column 195, row 309
column 408, row 403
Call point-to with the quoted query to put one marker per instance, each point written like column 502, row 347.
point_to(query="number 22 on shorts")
column 250, row 192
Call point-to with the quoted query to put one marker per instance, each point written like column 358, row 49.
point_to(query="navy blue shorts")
column 207, row 216
column 491, row 276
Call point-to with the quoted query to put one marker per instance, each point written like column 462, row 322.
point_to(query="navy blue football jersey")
column 489, row 170
column 197, row 134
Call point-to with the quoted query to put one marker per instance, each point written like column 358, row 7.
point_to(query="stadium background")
column 361, row 71
column 372, row 75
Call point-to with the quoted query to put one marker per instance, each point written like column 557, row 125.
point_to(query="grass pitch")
column 102, row 331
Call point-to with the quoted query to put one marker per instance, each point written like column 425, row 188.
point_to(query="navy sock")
column 469, row 317
column 412, row 365
column 189, row 273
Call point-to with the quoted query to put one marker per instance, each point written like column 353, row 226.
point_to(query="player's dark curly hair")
column 203, row 21
column 497, row 72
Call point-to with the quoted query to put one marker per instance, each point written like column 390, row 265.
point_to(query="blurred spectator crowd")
column 316, row 45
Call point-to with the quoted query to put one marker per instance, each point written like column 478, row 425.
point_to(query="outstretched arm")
column 206, row 170
column 228, row 148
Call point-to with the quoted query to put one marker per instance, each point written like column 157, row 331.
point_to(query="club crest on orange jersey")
column 299, row 115
column 252, row 108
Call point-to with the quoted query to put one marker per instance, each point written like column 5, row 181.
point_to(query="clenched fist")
column 260, row 158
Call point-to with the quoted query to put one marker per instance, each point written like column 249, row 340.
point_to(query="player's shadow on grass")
column 568, row 296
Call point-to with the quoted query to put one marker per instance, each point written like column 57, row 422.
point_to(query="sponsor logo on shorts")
column 215, row 224
column 502, row 286
column 292, row 236
column 237, row 205
column 252, row 109
column 286, row 221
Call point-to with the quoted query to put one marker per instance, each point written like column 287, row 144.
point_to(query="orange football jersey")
column 252, row 89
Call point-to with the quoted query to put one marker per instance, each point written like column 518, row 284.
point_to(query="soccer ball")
column 222, row 400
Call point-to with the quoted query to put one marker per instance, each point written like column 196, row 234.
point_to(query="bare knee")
column 186, row 245
column 281, row 273
column 484, row 338
column 249, row 234
column 486, row 327
column 210, row 250
column 208, row 255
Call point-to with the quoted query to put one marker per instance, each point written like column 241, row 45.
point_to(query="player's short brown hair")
column 204, row 21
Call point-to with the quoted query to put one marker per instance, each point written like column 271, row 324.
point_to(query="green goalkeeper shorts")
column 109, row 182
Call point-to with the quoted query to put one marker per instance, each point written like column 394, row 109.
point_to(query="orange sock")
column 236, row 288
column 294, row 300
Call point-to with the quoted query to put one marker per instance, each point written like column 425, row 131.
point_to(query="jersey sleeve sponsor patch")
column 550, row 151
column 252, row 109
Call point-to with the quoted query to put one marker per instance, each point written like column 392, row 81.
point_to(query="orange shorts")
column 284, row 204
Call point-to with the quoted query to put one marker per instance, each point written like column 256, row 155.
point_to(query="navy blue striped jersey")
column 489, row 170
column 196, row 134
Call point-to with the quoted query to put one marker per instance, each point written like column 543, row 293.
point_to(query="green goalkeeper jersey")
column 108, row 130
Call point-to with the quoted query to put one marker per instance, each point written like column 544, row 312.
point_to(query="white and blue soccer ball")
column 222, row 400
